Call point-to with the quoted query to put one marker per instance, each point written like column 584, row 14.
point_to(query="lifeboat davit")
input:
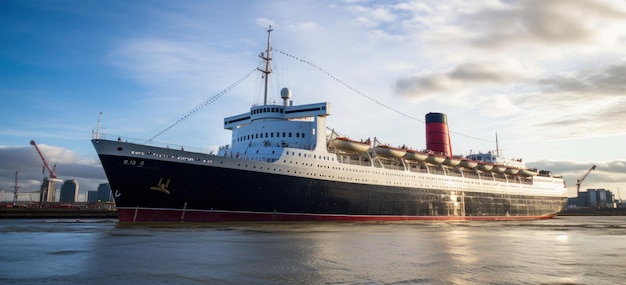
column 415, row 155
column 347, row 144
column 387, row 151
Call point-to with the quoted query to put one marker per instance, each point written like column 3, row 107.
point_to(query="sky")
column 549, row 77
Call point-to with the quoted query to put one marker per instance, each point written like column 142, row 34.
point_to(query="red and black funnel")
column 437, row 135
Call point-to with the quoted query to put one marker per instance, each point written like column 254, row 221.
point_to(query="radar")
column 285, row 93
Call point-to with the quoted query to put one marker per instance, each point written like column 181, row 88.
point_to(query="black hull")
column 177, row 191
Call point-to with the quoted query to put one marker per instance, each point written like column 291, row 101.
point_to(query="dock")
column 593, row 212
column 56, row 213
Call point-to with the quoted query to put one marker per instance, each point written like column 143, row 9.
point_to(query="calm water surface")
column 565, row 250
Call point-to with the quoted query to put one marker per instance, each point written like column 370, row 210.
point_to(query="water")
column 565, row 250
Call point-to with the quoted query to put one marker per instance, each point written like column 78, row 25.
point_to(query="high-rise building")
column 104, row 193
column 48, row 190
column 69, row 191
column 92, row 196
column 593, row 198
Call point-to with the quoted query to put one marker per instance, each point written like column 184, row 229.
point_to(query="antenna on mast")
column 267, row 57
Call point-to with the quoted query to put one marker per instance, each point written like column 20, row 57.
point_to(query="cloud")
column 372, row 16
column 464, row 77
column 26, row 161
column 543, row 22
column 264, row 22
column 304, row 27
column 590, row 101
column 550, row 65
column 606, row 81
column 160, row 62
column 570, row 124
column 19, row 158
column 608, row 175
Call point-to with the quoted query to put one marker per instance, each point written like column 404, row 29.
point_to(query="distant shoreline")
column 593, row 212
column 56, row 213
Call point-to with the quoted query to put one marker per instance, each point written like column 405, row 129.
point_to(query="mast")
column 267, row 57
column 98, row 129
column 497, row 147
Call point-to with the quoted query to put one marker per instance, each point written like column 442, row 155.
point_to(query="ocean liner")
column 283, row 164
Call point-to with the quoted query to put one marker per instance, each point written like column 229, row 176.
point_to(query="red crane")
column 580, row 180
column 45, row 162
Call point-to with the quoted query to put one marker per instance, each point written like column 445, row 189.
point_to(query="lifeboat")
column 415, row 155
column 484, row 166
column 452, row 161
column 469, row 163
column 436, row 159
column 387, row 151
column 511, row 170
column 528, row 172
column 347, row 144
column 498, row 168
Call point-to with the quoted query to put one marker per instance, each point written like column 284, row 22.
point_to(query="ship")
column 284, row 164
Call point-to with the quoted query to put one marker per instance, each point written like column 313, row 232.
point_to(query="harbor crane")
column 581, row 179
column 48, row 187
column 45, row 162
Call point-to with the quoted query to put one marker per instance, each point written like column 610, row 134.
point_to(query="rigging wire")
column 361, row 93
column 205, row 103
column 346, row 85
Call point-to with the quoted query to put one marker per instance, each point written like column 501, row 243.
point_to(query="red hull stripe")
column 178, row 215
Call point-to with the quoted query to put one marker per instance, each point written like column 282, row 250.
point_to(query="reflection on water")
column 575, row 250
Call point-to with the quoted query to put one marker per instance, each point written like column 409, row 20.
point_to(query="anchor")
column 161, row 187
